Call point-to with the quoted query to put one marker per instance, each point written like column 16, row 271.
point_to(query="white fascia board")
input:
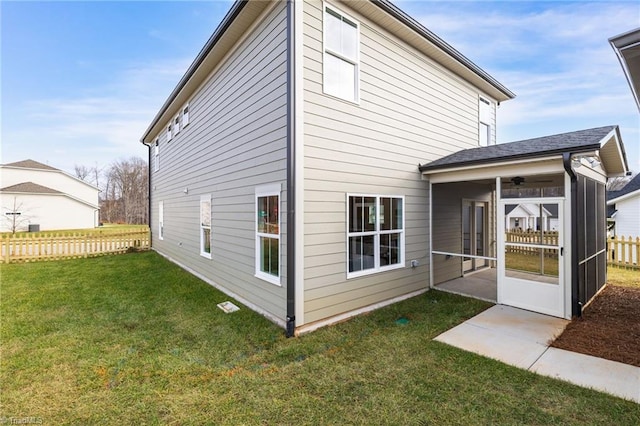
column 491, row 170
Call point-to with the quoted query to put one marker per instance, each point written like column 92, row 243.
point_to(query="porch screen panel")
column 591, row 239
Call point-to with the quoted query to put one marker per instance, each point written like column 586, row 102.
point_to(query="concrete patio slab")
column 612, row 377
column 509, row 349
column 521, row 338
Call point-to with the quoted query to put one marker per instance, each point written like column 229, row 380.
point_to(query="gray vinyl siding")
column 447, row 225
column 411, row 111
column 235, row 142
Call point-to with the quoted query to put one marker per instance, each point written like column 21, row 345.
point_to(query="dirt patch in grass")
column 609, row 327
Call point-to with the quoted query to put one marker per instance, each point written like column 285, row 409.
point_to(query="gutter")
column 291, row 172
column 149, row 193
column 506, row 158
column 576, row 307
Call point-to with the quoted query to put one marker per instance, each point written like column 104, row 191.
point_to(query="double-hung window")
column 185, row 116
column 484, row 129
column 161, row 220
column 176, row 124
column 268, row 233
column 156, row 156
column 341, row 57
column 375, row 234
column 205, row 226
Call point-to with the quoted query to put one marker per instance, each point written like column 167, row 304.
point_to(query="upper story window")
column 156, row 156
column 176, row 124
column 484, row 122
column 169, row 132
column 185, row 115
column 341, row 71
column 375, row 234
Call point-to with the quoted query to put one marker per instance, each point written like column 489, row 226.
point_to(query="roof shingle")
column 31, row 164
column 30, row 187
column 581, row 140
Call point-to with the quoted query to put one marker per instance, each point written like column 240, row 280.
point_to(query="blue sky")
column 80, row 81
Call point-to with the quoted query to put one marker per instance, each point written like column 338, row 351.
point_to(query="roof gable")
column 30, row 188
column 30, row 164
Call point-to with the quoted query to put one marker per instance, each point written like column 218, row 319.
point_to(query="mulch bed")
column 609, row 327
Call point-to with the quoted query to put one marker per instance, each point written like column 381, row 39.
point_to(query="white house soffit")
column 223, row 41
column 614, row 159
column 627, row 48
column 491, row 170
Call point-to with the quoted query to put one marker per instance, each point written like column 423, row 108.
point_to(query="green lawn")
column 134, row 339
column 624, row 277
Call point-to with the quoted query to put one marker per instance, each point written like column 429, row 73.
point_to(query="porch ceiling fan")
column 520, row 181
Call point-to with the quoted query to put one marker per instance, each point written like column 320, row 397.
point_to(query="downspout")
column 576, row 308
column 291, row 172
column 149, row 192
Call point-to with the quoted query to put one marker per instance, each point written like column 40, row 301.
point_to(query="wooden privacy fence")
column 623, row 252
column 549, row 238
column 67, row 245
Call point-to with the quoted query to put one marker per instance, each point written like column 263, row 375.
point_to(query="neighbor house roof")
column 599, row 138
column 243, row 13
column 631, row 187
column 627, row 47
column 30, row 188
column 30, row 164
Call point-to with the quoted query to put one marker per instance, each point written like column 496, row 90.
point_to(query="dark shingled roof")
column 582, row 140
column 30, row 187
column 31, row 164
column 633, row 185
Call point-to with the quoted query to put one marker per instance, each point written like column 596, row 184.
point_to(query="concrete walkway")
column 521, row 338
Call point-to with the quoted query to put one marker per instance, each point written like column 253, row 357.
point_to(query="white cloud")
column 554, row 56
column 101, row 125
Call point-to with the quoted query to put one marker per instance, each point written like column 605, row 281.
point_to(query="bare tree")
column 82, row 172
column 127, row 191
column 123, row 189
column 16, row 216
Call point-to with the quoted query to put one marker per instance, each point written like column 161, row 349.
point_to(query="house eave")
column 627, row 49
column 232, row 28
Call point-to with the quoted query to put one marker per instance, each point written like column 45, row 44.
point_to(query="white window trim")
column 486, row 121
column 184, row 112
column 326, row 51
column 156, row 156
column 201, row 227
column 176, row 124
column 169, row 133
column 161, row 220
column 376, row 234
column 266, row 191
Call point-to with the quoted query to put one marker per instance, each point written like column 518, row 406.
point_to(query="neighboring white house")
column 624, row 209
column 528, row 216
column 37, row 196
column 284, row 166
